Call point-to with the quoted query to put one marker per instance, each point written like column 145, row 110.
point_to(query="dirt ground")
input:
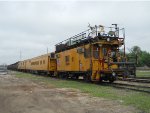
column 18, row 95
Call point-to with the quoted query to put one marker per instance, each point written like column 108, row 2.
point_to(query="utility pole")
column 124, row 42
column 20, row 55
column 47, row 50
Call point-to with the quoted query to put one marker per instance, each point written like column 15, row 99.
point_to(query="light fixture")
column 108, row 39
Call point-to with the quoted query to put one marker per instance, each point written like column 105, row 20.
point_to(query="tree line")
column 142, row 57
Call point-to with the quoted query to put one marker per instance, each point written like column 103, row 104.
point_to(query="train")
column 97, row 54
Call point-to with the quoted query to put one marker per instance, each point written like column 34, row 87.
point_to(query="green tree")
column 135, row 50
column 142, row 57
column 135, row 54
column 145, row 58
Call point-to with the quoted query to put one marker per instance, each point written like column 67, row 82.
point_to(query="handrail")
column 74, row 37
column 93, row 31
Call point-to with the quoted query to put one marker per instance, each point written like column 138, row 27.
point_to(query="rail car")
column 13, row 66
column 42, row 64
column 94, row 54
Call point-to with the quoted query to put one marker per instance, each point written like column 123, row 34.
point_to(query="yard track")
column 139, row 88
column 139, row 80
column 129, row 85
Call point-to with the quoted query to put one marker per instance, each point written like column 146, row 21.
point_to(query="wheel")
column 61, row 76
column 65, row 76
column 125, row 75
column 57, row 75
column 100, row 80
column 112, row 79
column 87, row 78
column 76, row 77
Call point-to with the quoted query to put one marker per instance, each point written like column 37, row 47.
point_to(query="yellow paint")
column 40, row 63
column 78, row 62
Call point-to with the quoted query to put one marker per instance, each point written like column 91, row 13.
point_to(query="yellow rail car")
column 87, row 60
column 95, row 56
column 41, row 64
column 22, row 65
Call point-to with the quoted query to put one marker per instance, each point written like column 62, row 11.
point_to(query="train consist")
column 94, row 54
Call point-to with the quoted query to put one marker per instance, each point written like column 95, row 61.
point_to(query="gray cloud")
column 31, row 27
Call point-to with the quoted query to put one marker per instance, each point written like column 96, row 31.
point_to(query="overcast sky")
column 32, row 27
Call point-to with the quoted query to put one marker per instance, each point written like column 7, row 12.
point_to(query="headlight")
column 113, row 74
column 108, row 39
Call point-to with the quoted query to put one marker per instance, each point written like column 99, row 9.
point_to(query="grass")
column 136, row 99
column 143, row 73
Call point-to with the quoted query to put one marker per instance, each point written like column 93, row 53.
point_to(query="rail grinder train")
column 96, row 54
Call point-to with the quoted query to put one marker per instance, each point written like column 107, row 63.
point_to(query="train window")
column 86, row 53
column 52, row 55
column 41, row 62
column 104, row 51
column 37, row 62
column 67, row 59
column 96, row 52
column 72, row 59
column 113, row 56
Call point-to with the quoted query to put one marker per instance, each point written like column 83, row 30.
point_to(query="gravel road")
column 18, row 95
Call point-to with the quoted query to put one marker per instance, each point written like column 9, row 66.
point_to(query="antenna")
column 89, row 24
column 124, row 41
column 117, row 29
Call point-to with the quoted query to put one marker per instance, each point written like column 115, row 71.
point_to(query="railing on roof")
column 75, row 39
column 91, row 33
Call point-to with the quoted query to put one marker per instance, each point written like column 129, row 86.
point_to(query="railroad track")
column 140, row 80
column 139, row 88
column 126, row 86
